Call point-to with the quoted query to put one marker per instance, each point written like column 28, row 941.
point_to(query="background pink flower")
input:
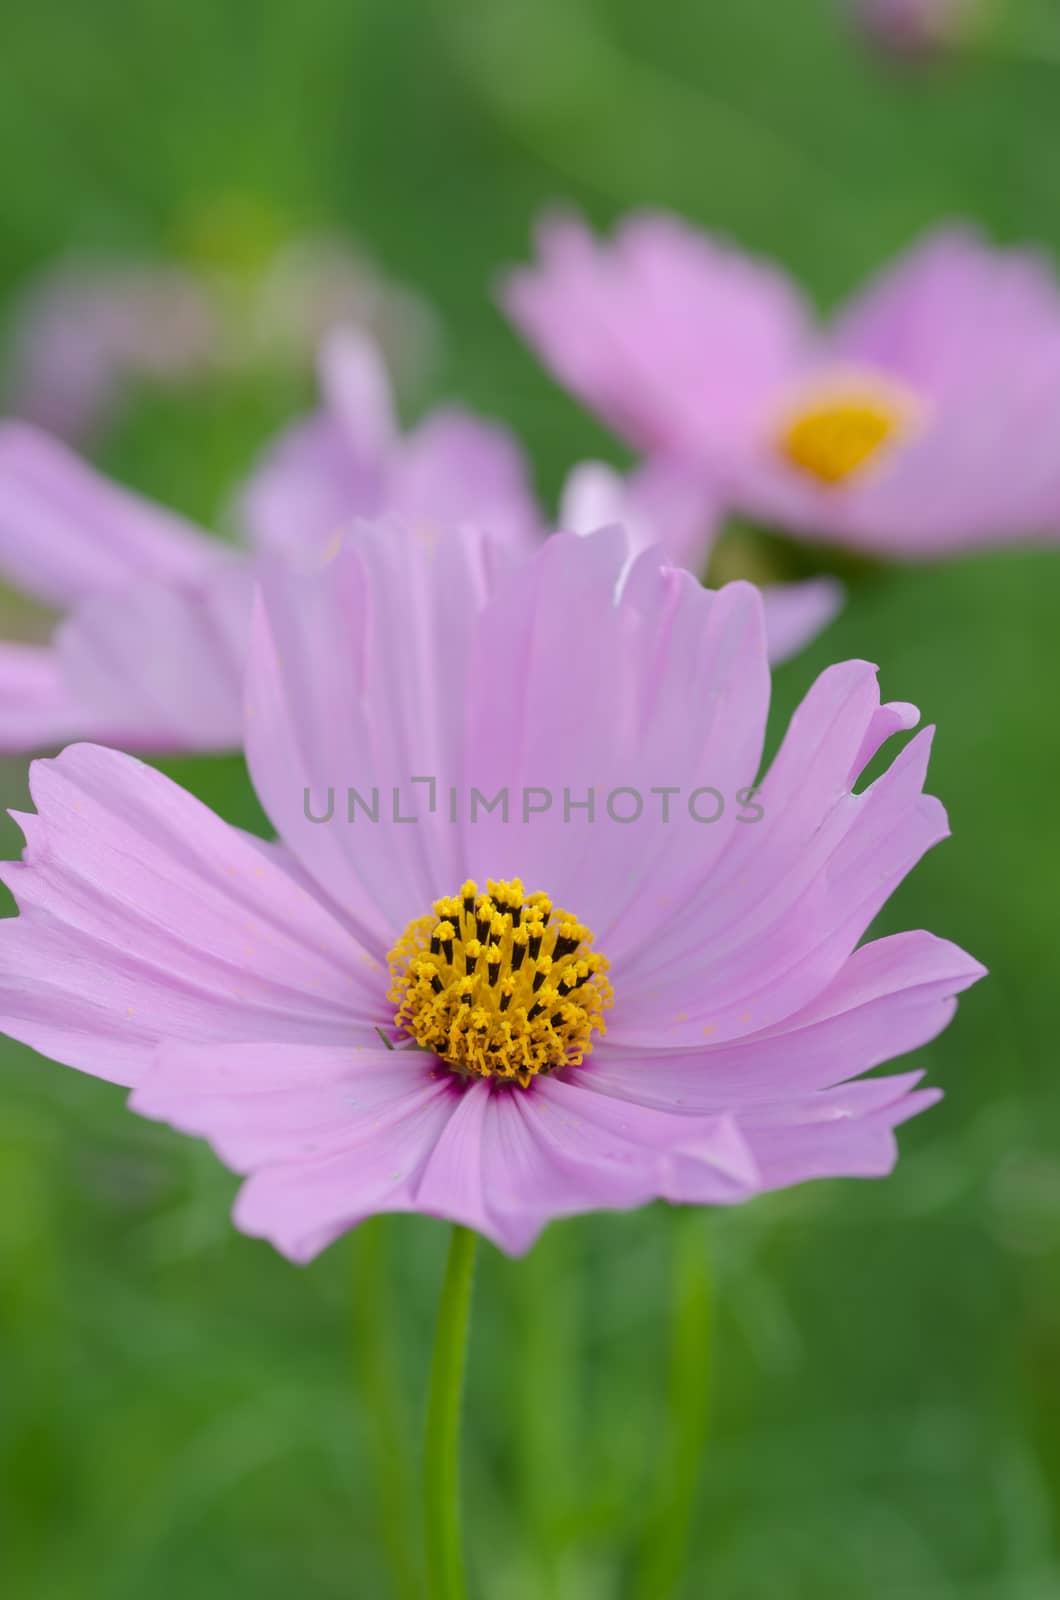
column 83, row 332
column 915, row 28
column 242, row 988
column 150, row 651
column 350, row 459
column 918, row 421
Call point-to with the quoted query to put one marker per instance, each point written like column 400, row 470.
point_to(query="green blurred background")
column 182, row 1413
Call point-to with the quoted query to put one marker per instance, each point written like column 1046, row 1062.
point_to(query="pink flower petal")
column 161, row 664
column 357, row 678
column 455, row 470
column 36, row 709
column 674, row 340
column 307, row 487
column 507, row 1163
column 263, row 1103
column 301, row 1206
column 144, row 916
column 796, row 613
column 357, row 393
column 794, row 892
column 349, row 461
column 574, row 689
column 65, row 531
column 841, row 1134
column 890, row 997
column 656, row 504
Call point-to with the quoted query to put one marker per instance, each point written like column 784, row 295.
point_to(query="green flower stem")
column 665, row 1551
column 380, row 1388
column 445, row 1565
column 545, row 1400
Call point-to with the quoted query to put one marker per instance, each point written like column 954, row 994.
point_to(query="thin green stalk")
column 381, row 1393
column 545, row 1401
column 665, row 1552
column 445, row 1564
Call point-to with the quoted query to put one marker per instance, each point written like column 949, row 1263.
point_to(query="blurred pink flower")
column 917, row 422
column 357, row 1027
column 149, row 653
column 83, row 332
column 349, row 459
column 913, row 29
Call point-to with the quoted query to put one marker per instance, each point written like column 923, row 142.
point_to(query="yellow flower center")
column 840, row 428
column 499, row 985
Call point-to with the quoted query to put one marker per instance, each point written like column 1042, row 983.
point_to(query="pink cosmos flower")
column 83, row 331
column 349, row 459
column 398, row 1016
column 150, row 651
column 914, row 424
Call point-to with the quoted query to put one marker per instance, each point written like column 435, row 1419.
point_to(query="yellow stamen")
column 840, row 427
column 499, row 985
